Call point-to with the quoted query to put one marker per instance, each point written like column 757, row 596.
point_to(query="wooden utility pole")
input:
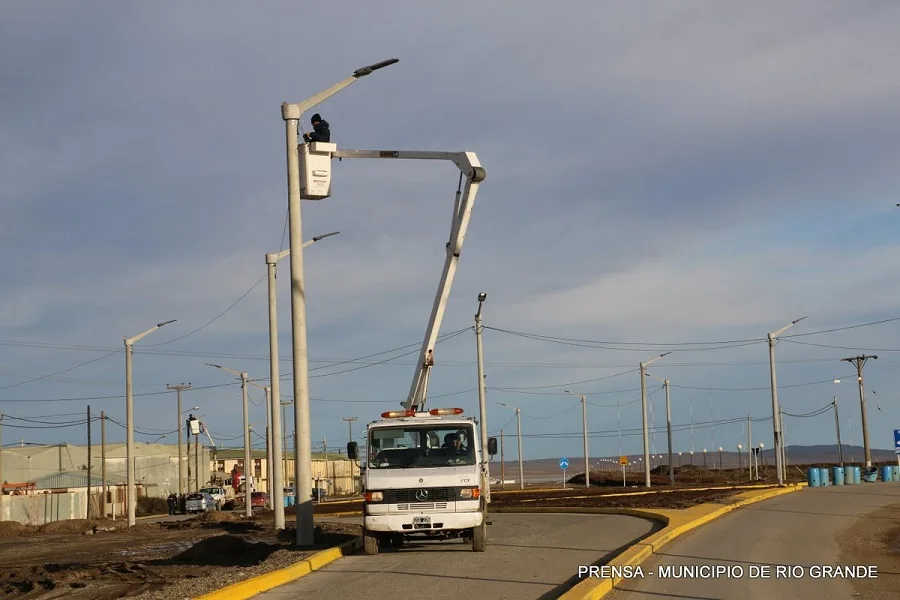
column 502, row 464
column 89, row 462
column 859, row 362
column 103, row 459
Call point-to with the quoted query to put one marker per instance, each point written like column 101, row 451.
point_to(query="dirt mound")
column 217, row 517
column 73, row 526
column 224, row 550
column 11, row 529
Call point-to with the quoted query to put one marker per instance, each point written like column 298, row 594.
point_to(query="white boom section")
column 474, row 173
column 204, row 430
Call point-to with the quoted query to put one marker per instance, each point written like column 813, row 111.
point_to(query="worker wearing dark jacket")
column 321, row 131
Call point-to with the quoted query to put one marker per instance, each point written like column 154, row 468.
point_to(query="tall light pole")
column 584, row 427
column 129, row 421
column 665, row 383
column 290, row 113
column 644, row 417
column 837, row 427
column 248, row 467
column 275, row 379
column 482, row 403
column 519, row 438
column 776, row 413
column 179, row 389
column 859, row 362
column 349, row 421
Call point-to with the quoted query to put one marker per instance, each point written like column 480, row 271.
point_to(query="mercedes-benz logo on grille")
column 421, row 495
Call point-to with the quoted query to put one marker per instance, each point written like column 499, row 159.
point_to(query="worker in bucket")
column 321, row 131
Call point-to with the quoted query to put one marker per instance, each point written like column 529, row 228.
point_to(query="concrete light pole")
column 646, row 461
column 290, row 113
column 179, row 389
column 275, row 380
column 129, row 422
column 482, row 403
column 584, row 427
column 248, row 466
column 519, row 439
column 859, row 362
column 776, row 413
column 665, row 383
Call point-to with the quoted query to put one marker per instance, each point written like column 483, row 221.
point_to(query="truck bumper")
column 400, row 523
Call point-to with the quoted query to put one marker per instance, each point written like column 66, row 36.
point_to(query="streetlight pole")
column 482, row 403
column 776, row 413
column 290, row 113
column 584, row 427
column 178, row 389
column 129, row 421
column 837, row 427
column 519, row 439
column 277, row 454
column 248, row 467
column 644, row 417
column 665, row 383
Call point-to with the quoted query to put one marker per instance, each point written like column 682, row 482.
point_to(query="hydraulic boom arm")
column 474, row 174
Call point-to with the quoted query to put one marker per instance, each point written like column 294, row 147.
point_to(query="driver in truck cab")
column 453, row 444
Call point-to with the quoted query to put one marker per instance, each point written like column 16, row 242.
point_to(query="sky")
column 661, row 177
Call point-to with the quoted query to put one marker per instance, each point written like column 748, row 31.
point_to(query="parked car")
column 218, row 494
column 199, row 502
column 259, row 500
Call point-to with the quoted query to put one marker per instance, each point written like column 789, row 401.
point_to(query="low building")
column 337, row 475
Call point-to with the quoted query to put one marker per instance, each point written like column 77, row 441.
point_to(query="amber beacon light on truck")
column 434, row 412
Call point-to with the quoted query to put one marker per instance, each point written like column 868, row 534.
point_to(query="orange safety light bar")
column 437, row 412
column 395, row 414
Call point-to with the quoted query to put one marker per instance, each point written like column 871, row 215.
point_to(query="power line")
column 844, row 347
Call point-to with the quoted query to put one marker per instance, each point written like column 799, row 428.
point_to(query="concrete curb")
column 248, row 588
column 678, row 524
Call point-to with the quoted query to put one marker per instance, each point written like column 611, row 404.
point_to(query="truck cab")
column 423, row 478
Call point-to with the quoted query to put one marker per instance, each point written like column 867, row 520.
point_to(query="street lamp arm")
column 232, row 371
column 133, row 340
column 324, row 95
column 785, row 328
column 274, row 257
column 649, row 362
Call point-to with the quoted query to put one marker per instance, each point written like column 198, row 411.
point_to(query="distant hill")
column 825, row 454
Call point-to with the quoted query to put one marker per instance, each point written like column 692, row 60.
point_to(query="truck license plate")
column 421, row 520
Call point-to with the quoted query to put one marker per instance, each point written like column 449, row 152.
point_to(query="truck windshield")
column 407, row 446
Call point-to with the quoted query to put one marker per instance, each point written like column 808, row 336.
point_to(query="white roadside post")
column 646, row 459
column 290, row 113
column 129, row 422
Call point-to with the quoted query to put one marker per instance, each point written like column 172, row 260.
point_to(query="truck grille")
column 433, row 495
column 422, row 506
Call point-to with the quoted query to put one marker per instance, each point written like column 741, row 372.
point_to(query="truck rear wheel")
column 479, row 537
column 370, row 543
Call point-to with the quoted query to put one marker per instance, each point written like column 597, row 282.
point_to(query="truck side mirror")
column 492, row 446
column 352, row 450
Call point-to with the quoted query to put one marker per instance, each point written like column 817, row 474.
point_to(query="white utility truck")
column 425, row 471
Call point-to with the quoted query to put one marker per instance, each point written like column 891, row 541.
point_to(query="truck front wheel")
column 370, row 543
column 479, row 537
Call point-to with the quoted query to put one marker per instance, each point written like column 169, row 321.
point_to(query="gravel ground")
column 875, row 540
column 161, row 561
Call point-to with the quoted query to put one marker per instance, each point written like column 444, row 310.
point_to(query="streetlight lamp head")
column 363, row 71
column 482, row 296
column 212, row 365
column 720, row 448
column 165, row 322
column 740, row 446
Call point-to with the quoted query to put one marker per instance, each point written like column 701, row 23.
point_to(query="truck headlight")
column 470, row 493
column 374, row 496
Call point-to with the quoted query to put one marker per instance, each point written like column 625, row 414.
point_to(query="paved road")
column 527, row 557
column 795, row 529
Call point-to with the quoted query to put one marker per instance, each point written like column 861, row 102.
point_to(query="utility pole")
column 646, row 461
column 776, row 412
column 519, row 439
column 859, row 362
column 197, row 460
column 103, row 460
column 325, row 450
column 783, row 445
column 837, row 427
column 178, row 389
column 482, row 403
column 349, row 421
column 188, row 458
column 587, row 460
column 750, row 447
column 270, row 447
column 502, row 464
column 1, row 465
column 88, row 508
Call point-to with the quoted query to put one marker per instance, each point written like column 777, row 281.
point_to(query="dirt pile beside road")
column 168, row 560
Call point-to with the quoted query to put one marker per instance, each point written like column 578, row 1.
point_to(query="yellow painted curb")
column 680, row 522
column 248, row 588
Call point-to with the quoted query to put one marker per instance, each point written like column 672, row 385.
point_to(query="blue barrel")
column 823, row 475
column 814, row 477
column 857, row 475
column 887, row 473
column 838, row 475
column 849, row 475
